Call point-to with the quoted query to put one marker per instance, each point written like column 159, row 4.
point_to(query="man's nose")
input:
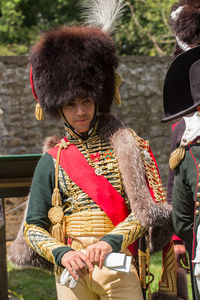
column 80, row 109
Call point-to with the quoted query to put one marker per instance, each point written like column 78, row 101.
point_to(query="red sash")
column 98, row 188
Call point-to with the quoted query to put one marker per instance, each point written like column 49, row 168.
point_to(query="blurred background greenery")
column 143, row 30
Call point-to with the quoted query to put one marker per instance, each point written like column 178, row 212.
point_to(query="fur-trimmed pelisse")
column 157, row 216
column 72, row 62
column 185, row 23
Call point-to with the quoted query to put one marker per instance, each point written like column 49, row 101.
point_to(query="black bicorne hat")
column 181, row 92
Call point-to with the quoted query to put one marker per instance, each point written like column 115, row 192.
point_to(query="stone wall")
column 141, row 108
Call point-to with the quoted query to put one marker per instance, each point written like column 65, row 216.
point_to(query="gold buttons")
column 199, row 184
column 199, row 165
column 197, row 212
column 197, row 204
column 198, row 194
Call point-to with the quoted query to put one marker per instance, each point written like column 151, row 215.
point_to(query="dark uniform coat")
column 186, row 200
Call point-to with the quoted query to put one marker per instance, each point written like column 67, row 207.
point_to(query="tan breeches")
column 103, row 285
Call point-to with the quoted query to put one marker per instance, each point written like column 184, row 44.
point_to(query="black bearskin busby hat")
column 77, row 61
column 185, row 23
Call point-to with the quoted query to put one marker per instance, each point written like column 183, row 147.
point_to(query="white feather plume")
column 104, row 14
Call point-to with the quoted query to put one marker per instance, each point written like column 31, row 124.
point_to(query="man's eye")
column 87, row 101
column 69, row 105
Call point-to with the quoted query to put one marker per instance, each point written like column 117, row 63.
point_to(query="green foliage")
column 22, row 21
column 143, row 30
column 13, row 49
column 11, row 20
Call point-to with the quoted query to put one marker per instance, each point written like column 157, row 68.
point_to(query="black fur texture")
column 73, row 62
column 187, row 25
column 108, row 125
column 160, row 296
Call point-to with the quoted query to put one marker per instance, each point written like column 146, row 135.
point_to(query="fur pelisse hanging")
column 185, row 23
column 145, row 209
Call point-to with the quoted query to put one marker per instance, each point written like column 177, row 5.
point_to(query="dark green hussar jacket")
column 186, row 200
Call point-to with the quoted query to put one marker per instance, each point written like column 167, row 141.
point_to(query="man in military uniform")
column 185, row 24
column 181, row 91
column 98, row 188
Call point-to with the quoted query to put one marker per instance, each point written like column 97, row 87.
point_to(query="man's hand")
column 181, row 257
column 97, row 252
column 77, row 263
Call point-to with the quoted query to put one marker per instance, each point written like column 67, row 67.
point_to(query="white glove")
column 65, row 277
column 114, row 261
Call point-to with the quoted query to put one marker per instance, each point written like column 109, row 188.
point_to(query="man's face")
column 79, row 114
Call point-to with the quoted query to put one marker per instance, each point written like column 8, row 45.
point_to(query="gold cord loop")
column 56, row 214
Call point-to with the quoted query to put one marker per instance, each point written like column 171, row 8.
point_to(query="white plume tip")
column 183, row 45
column 175, row 14
column 104, row 14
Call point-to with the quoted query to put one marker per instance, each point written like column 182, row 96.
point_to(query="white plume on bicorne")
column 104, row 14
column 175, row 14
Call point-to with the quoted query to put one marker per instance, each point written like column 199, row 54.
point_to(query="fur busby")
column 185, row 23
column 72, row 62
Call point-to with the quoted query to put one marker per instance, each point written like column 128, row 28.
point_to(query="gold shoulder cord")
column 150, row 169
column 176, row 157
column 55, row 213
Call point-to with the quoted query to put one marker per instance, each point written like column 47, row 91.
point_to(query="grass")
column 39, row 285
column 29, row 284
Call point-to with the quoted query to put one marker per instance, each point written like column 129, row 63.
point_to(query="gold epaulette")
column 176, row 157
column 152, row 173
